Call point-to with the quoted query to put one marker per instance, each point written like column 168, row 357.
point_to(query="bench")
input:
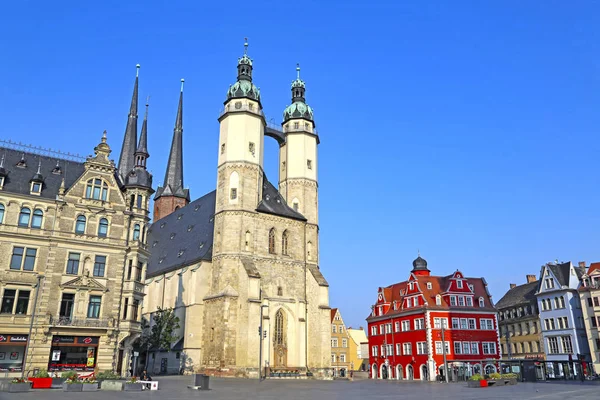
column 153, row 384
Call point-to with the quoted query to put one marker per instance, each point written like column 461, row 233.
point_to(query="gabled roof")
column 593, row 267
column 560, row 272
column 18, row 179
column 333, row 312
column 183, row 237
column 273, row 203
column 358, row 335
column 519, row 295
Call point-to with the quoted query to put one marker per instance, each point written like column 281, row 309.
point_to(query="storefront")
column 73, row 353
column 12, row 351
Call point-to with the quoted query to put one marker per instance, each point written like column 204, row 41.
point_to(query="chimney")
column 361, row 328
column 582, row 264
column 513, row 285
column 531, row 278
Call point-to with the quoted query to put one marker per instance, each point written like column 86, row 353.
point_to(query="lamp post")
column 261, row 335
column 37, row 291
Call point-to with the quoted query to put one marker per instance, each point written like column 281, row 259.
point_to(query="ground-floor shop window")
column 77, row 353
column 12, row 352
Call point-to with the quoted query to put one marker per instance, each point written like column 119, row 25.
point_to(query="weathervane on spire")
column 137, row 70
column 245, row 46
column 298, row 69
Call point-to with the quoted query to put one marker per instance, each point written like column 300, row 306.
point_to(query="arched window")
column 80, row 225
column 1, row 213
column 103, row 227
column 481, row 302
column 279, row 337
column 136, row 232
column 438, row 300
column 36, row 221
column 24, row 216
column 284, row 243
column 272, row 241
column 96, row 189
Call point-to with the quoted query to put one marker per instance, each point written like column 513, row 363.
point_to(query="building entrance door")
column 280, row 341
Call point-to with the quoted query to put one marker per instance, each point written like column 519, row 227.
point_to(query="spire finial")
column 147, row 101
column 418, row 253
column 298, row 69
column 245, row 46
column 39, row 166
column 104, row 136
column 137, row 70
column 182, row 80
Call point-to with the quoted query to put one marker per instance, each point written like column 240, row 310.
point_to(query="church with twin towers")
column 239, row 265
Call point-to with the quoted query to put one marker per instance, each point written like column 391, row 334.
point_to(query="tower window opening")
column 309, row 164
column 223, row 148
column 233, row 194
column 272, row 241
column 279, row 291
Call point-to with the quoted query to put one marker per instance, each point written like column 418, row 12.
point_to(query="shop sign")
column 75, row 339
column 3, row 338
column 63, row 339
column 15, row 338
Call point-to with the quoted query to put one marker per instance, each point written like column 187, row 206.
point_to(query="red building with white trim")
column 405, row 327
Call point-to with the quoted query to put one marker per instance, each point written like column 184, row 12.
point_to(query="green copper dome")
column 298, row 83
column 243, row 88
column 298, row 109
column 245, row 60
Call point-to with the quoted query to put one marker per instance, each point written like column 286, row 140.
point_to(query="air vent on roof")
column 162, row 225
column 278, row 200
column 196, row 207
column 172, row 236
column 180, row 216
column 154, row 244
column 201, row 245
column 211, row 219
column 190, row 227
column 180, row 253
column 160, row 260
column 267, row 197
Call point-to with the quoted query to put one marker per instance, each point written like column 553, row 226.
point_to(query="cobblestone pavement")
column 175, row 387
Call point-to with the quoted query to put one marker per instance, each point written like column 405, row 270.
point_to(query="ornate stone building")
column 240, row 264
column 76, row 227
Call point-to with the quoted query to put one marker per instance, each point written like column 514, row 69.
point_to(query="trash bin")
column 201, row 381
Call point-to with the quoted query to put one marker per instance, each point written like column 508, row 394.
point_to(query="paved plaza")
column 175, row 387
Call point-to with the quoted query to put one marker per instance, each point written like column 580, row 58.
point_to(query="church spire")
column 126, row 159
column 141, row 154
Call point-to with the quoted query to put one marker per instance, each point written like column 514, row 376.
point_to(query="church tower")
column 126, row 162
column 172, row 195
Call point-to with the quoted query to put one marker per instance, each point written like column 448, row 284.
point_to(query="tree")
column 160, row 334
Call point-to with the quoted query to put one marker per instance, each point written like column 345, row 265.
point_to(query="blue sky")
column 468, row 130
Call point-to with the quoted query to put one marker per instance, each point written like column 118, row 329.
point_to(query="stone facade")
column 83, row 249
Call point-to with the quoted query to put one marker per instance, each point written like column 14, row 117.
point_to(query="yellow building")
column 341, row 350
column 72, row 255
column 359, row 349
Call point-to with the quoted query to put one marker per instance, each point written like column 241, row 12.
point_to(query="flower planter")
column 57, row 383
column 133, row 387
column 41, row 383
column 483, row 383
column 19, row 387
column 72, row 387
column 109, row 384
column 473, row 384
column 89, row 387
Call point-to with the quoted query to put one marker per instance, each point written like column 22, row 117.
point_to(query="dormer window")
column 1, row 182
column 22, row 163
column 438, row 300
column 36, row 187
column 481, row 302
column 429, row 285
column 411, row 286
column 96, row 189
column 459, row 284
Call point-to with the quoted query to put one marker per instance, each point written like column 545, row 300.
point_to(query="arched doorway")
column 399, row 372
column 410, row 373
column 280, row 340
column 424, row 373
column 374, row 371
column 489, row 369
column 343, row 372
column 384, row 372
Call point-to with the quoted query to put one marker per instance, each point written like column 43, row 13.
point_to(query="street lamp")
column 37, row 291
column 261, row 335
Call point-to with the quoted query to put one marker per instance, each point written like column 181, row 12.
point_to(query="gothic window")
column 136, row 232
column 284, row 243
column 80, row 225
column 272, row 241
column 36, row 221
column 96, row 189
column 279, row 291
column 279, row 328
column 24, row 216
column 233, row 194
column 103, row 227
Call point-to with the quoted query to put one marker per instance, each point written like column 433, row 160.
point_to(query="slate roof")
column 182, row 238
column 519, row 295
column 18, row 178
column 561, row 272
column 273, row 203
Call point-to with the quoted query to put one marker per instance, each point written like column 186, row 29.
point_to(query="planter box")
column 57, row 383
column 89, row 387
column 72, row 387
column 19, row 387
column 473, row 384
column 112, row 385
column 483, row 383
column 41, row 383
column 133, row 387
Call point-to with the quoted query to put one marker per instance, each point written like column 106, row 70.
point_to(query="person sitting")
column 146, row 377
